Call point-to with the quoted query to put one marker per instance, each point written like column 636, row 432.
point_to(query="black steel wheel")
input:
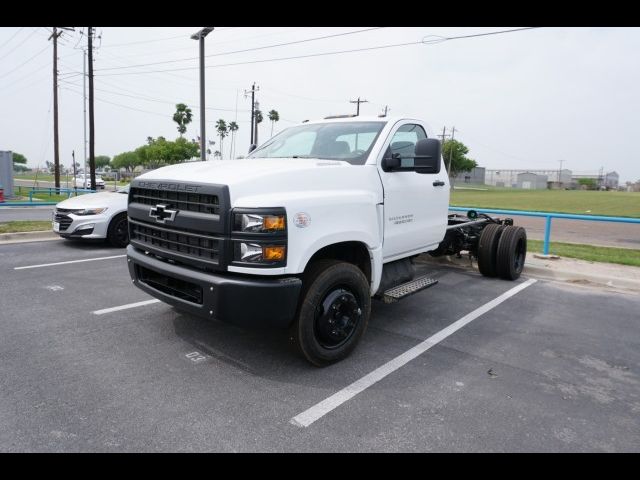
column 334, row 311
column 118, row 232
column 512, row 251
column 488, row 249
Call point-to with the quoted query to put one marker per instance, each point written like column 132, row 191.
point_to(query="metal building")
column 531, row 181
column 6, row 173
column 474, row 177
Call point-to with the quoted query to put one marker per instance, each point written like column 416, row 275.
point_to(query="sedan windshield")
column 347, row 141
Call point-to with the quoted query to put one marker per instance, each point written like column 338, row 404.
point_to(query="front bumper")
column 85, row 226
column 238, row 299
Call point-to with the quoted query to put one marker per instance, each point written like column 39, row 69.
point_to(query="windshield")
column 347, row 141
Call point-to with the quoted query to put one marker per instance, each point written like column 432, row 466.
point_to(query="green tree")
column 182, row 117
column 19, row 158
column 126, row 160
column 589, row 183
column 274, row 117
column 221, row 128
column 233, row 127
column 102, row 161
column 160, row 151
column 456, row 152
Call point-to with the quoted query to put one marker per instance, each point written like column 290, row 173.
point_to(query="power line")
column 14, row 48
column 246, row 49
column 25, row 62
column 444, row 39
column 159, row 39
column 12, row 37
column 119, row 104
column 270, row 59
column 151, row 99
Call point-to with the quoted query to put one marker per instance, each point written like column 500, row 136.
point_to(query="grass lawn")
column 25, row 226
column 622, row 256
column 585, row 202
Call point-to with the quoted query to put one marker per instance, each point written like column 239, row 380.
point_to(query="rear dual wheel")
column 502, row 251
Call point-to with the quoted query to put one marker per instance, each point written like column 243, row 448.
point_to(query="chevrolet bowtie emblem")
column 161, row 214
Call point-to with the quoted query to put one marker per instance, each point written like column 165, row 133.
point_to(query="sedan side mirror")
column 428, row 157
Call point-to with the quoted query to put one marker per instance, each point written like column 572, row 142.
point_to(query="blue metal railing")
column 548, row 216
column 50, row 190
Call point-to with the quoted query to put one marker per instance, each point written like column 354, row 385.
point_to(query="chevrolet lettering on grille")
column 162, row 214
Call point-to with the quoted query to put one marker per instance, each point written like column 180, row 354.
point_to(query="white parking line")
column 124, row 307
column 70, row 261
column 316, row 412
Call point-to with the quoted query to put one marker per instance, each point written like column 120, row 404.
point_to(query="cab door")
column 415, row 204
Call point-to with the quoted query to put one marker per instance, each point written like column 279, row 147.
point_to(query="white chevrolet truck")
column 307, row 230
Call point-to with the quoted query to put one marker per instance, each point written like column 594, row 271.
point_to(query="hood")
column 102, row 199
column 269, row 176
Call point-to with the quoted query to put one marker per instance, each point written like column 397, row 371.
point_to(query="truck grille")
column 183, row 244
column 63, row 219
column 171, row 286
column 187, row 201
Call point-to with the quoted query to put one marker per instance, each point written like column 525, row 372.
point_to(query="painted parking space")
column 539, row 371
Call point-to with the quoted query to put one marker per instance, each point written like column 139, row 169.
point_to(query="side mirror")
column 252, row 147
column 391, row 162
column 428, row 157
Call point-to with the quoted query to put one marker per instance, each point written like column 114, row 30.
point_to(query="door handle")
column 438, row 183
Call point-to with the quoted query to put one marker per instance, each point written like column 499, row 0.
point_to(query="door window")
column 404, row 142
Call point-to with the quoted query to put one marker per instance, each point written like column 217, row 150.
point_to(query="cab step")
column 396, row 294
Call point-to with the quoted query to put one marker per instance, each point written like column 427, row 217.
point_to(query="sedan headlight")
column 260, row 223
column 89, row 211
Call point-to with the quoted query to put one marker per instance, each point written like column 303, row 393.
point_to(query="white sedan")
column 84, row 181
column 94, row 215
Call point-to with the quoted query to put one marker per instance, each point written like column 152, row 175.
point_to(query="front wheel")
column 118, row 232
column 334, row 312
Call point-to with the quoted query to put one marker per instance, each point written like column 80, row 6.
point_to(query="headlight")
column 89, row 211
column 259, row 223
column 265, row 254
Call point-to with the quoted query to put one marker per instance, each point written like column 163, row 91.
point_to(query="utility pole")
column 255, row 122
column 56, row 153
column 203, row 142
column 73, row 156
column 444, row 135
column 559, row 172
column 253, row 91
column 92, row 159
column 453, row 132
column 358, row 107
column 84, row 107
column 56, row 146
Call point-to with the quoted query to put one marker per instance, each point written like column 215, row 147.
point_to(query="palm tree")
column 216, row 154
column 233, row 126
column 182, row 117
column 274, row 117
column 221, row 127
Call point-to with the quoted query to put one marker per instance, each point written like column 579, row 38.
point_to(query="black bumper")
column 238, row 299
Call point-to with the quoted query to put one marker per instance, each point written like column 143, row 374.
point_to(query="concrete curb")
column 21, row 237
column 546, row 273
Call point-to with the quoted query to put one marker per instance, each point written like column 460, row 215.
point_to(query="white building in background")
column 509, row 178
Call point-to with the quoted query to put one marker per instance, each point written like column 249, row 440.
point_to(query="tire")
column 329, row 286
column 488, row 249
column 512, row 251
column 118, row 231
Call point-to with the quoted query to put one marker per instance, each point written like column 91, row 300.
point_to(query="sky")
column 521, row 100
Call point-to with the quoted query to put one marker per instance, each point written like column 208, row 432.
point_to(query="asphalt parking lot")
column 547, row 367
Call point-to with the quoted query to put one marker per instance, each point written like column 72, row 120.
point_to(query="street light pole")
column 203, row 141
